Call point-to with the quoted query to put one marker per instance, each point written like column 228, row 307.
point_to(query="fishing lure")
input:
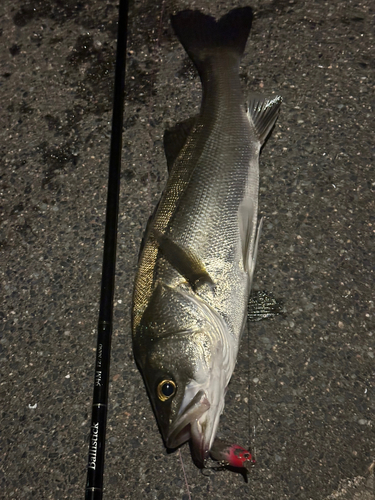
column 231, row 455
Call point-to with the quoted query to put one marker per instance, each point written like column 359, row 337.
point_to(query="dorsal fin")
column 262, row 114
column 175, row 139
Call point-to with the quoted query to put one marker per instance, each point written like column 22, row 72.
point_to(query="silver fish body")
column 197, row 261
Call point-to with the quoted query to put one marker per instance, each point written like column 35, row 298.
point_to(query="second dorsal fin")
column 175, row 139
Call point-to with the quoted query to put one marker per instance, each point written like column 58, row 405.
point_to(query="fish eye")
column 166, row 389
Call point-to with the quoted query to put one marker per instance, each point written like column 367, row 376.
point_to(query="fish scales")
column 200, row 203
column 197, row 262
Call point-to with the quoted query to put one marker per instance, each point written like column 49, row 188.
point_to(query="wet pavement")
column 302, row 396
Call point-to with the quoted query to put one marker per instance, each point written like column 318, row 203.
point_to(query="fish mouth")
column 187, row 426
column 199, row 445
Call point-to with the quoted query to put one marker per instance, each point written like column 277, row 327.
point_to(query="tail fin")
column 198, row 32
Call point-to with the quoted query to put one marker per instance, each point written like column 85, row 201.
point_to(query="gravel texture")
column 302, row 396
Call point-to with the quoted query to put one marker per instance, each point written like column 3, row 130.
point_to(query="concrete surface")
column 302, row 396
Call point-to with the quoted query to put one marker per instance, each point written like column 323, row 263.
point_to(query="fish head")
column 182, row 353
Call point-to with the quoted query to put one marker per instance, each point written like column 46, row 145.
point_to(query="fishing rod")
column 94, row 482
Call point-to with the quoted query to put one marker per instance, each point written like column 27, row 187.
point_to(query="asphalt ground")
column 302, row 396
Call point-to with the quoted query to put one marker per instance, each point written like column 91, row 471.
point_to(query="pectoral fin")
column 183, row 260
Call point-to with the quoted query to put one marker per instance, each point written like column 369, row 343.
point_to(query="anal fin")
column 263, row 113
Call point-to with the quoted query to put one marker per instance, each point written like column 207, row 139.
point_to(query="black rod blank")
column 94, row 483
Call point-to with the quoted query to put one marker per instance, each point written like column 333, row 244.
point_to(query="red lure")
column 231, row 455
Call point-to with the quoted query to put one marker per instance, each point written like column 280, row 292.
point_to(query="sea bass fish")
column 197, row 260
